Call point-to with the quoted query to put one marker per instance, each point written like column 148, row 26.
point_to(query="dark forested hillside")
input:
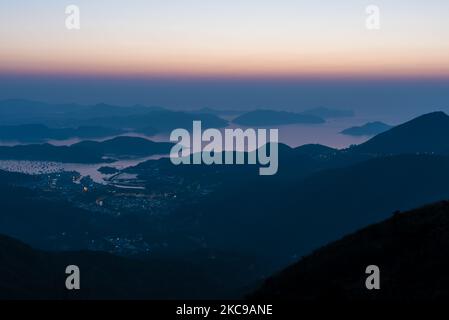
column 26, row 273
column 284, row 218
column 411, row 250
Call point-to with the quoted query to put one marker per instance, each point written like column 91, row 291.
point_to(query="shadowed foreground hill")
column 27, row 273
column 411, row 250
column 67, row 231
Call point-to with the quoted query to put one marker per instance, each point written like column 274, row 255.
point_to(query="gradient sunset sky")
column 226, row 38
column 286, row 54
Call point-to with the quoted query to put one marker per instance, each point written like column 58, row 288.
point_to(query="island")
column 368, row 129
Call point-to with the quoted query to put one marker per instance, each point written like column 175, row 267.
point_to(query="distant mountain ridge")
column 86, row 151
column 136, row 118
column 220, row 112
column 124, row 145
column 40, row 132
column 160, row 121
column 29, row 109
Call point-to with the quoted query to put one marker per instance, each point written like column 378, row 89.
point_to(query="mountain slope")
column 298, row 215
column 56, row 225
column 86, row 151
column 315, row 150
column 26, row 273
column 410, row 249
column 425, row 134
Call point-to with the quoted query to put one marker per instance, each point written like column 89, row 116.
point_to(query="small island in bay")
column 368, row 129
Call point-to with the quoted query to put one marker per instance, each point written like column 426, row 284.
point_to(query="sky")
column 180, row 52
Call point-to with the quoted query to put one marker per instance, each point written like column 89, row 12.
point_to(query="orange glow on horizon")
column 240, row 66
column 245, row 39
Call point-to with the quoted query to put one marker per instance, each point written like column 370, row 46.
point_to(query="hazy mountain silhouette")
column 425, row 134
column 160, row 121
column 271, row 117
column 219, row 112
column 18, row 111
column 125, row 146
column 302, row 161
column 368, row 129
column 86, row 151
column 409, row 248
column 137, row 118
column 39, row 132
column 48, row 152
